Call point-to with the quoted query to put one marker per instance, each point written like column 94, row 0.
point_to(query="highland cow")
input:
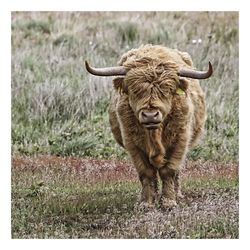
column 157, row 113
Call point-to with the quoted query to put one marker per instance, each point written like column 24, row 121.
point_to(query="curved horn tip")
column 86, row 65
column 89, row 68
column 210, row 66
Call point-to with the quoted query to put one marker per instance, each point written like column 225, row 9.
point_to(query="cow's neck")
column 155, row 149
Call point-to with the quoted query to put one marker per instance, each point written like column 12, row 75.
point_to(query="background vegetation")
column 58, row 108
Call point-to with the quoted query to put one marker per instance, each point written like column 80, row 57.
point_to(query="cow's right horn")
column 195, row 73
column 111, row 71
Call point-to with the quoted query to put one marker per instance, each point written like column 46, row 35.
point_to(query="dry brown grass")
column 94, row 170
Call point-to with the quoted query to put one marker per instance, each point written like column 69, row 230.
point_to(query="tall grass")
column 58, row 108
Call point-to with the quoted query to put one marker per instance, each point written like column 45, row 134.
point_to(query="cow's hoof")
column 168, row 204
column 180, row 195
column 146, row 206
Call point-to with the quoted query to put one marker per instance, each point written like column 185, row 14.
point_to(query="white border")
column 5, row 127
column 128, row 5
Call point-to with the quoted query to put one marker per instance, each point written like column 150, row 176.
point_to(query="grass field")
column 71, row 197
column 69, row 178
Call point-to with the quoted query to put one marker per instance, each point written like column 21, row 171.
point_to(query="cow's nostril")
column 156, row 114
column 144, row 114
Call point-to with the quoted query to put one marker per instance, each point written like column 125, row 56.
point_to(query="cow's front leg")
column 148, row 178
column 168, row 197
column 169, row 174
column 177, row 184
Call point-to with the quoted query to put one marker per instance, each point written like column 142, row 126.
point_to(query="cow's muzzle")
column 150, row 119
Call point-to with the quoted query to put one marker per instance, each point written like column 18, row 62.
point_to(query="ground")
column 73, row 197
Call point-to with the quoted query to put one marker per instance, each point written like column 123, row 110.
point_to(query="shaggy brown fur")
column 152, row 83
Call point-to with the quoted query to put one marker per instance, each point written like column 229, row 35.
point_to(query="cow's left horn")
column 195, row 73
column 111, row 71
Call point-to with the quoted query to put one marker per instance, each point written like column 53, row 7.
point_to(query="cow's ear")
column 119, row 85
column 183, row 84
